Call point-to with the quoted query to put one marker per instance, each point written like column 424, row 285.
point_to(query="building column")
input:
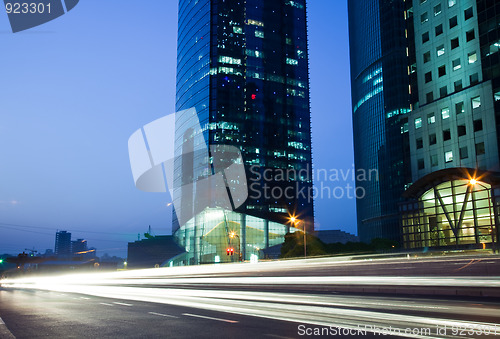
column 243, row 235
column 266, row 233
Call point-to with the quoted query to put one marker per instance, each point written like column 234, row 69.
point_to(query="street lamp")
column 232, row 235
column 295, row 222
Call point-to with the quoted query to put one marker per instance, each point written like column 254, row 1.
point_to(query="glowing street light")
column 472, row 181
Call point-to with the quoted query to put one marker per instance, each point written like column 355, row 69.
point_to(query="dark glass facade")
column 243, row 65
column 380, row 100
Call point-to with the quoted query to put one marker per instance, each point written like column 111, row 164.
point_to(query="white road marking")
column 164, row 315
column 123, row 304
column 85, row 298
column 211, row 318
column 106, row 304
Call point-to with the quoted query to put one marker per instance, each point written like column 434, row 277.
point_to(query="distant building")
column 151, row 252
column 334, row 236
column 63, row 243
column 78, row 246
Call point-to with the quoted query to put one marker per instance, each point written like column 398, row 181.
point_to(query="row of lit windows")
column 445, row 112
column 437, row 8
column 453, row 21
column 448, row 156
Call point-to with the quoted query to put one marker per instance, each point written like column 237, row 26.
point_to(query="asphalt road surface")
column 289, row 299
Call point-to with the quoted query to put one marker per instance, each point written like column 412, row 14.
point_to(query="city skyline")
column 67, row 156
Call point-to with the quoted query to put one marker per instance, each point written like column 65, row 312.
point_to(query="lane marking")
column 106, row 304
column 210, row 318
column 4, row 331
column 164, row 315
column 85, row 298
column 123, row 304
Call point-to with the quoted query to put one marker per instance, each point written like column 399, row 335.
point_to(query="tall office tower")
column 453, row 73
column 453, row 128
column 63, row 243
column 380, row 101
column 243, row 65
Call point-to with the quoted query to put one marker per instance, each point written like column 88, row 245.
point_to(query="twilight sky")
column 72, row 91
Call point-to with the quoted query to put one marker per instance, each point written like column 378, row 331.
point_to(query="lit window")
column 456, row 64
column 431, row 118
column 476, row 102
column 229, row 60
column 404, row 128
column 291, row 61
column 448, row 156
column 440, row 50
column 472, row 57
column 452, row 3
column 445, row 113
column 468, row 13
column 418, row 123
column 437, row 9
column 259, row 34
column 494, row 47
column 254, row 53
column 255, row 23
column 453, row 21
column 424, row 17
column 497, row 96
column 237, row 30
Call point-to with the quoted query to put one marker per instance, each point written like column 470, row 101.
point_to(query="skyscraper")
column 449, row 132
column 243, row 65
column 63, row 243
column 380, row 101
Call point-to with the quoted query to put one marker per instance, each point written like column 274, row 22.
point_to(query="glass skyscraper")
column 243, row 66
column 380, row 101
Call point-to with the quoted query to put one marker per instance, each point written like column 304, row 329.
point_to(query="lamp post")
column 295, row 222
column 232, row 235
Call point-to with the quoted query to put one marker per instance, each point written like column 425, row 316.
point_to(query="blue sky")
column 74, row 90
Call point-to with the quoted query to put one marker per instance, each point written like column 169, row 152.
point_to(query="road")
column 277, row 300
